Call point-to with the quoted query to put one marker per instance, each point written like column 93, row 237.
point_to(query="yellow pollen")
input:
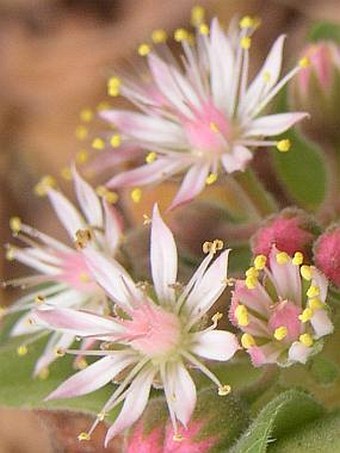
column 98, row 143
column 297, row 258
column 10, row 254
column 82, row 238
column 177, row 437
column 203, row 29
column 306, row 272
column 197, row 15
column 111, row 197
column 82, row 156
column 217, row 316
column 211, row 179
column 41, row 189
column 306, row 339
column 81, row 132
column 241, row 314
column 66, row 173
column 81, row 363
column 282, row 258
column 84, row 277
column 22, row 350
column 313, row 291
column 181, row 35
column 266, row 76
column 113, row 86
column 224, row 390
column 101, row 416
column 15, row 224
column 84, row 436
column 245, row 42
column 44, row 373
column 260, row 262
column 146, row 220
column 136, row 195
column 144, row 49
column 159, row 36
column 306, row 315
column 59, row 352
column 280, row 333
column 251, row 282
column 316, row 304
column 284, row 145
column 304, row 62
column 213, row 126
column 247, row 22
column 39, row 299
column 252, row 272
column 247, row 341
column 151, row 157
column 86, row 115
column 115, row 140
column 103, row 106
column 212, row 247
column 101, row 191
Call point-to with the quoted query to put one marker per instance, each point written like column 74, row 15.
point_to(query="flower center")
column 74, row 271
column 153, row 331
column 284, row 322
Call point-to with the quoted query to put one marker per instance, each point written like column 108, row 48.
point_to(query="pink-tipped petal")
column 274, row 124
column 163, row 253
column 216, row 345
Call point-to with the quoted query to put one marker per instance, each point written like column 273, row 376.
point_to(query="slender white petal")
column 274, row 124
column 57, row 341
column 215, row 344
column 298, row 352
column 237, row 160
column 112, row 228
column 321, row 323
column 88, row 200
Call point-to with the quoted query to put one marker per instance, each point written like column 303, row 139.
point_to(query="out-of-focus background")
column 55, row 58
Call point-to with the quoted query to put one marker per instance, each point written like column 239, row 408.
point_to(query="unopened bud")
column 327, row 254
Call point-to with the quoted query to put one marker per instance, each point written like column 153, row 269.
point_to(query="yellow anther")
column 41, row 189
column 304, row 62
column 81, row 363
column 247, row 341
column 115, row 140
column 113, row 86
column 136, row 195
column 84, row 277
column 313, row 291
column 280, row 333
column 151, row 157
column 266, row 76
column 306, row 339
column 306, row 315
column 197, row 15
column 39, row 299
column 316, row 304
column 101, row 416
column 146, row 220
column 241, row 314
column 82, row 156
column 111, row 197
column 224, row 390
column 204, row 29
column 82, row 238
column 81, row 132
column 284, row 145
column 181, row 34
column 306, row 272
column 86, row 115
column 260, row 262
column 213, row 126
column 216, row 317
column 252, row 272
column 101, row 191
column 245, row 42
column 10, row 253
column 177, row 437
column 247, row 22
column 282, row 258
column 15, row 224
column 84, row 436
column 43, row 373
column 98, row 143
column 159, row 36
column 59, row 352
column 143, row 49
column 103, row 106
column 66, row 173
column 297, row 258
column 212, row 247
column 251, row 282
column 22, row 350
column 211, row 179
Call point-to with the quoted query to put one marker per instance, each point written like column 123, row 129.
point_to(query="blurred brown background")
column 55, row 57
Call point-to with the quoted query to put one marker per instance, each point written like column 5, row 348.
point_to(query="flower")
column 156, row 332
column 63, row 277
column 201, row 116
column 327, row 254
column 281, row 309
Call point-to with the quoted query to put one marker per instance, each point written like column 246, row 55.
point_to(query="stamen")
column 81, row 363
column 260, row 262
column 266, row 76
column 306, row 339
column 247, row 341
column 213, row 126
column 251, row 282
column 211, row 179
column 316, row 304
column 284, row 145
column 59, row 352
column 39, row 299
column 204, row 29
column 245, row 42
column 103, row 106
column 215, row 318
column 224, row 390
column 242, row 316
column 66, row 173
column 136, row 195
column 177, row 437
column 252, row 272
column 248, row 22
column 197, row 15
column 280, row 333
column 15, row 224
column 151, row 157
column 10, row 253
column 159, row 36
column 22, row 350
column 98, row 143
column 82, row 156
column 81, row 132
column 313, row 291
column 82, row 238
column 297, row 258
column 47, row 182
column 181, row 35
column 44, row 373
column 306, row 315
column 212, row 247
column 101, row 416
column 111, row 197
column 282, row 258
column 144, row 49
column 113, row 86
column 304, row 62
column 306, row 272
column 86, row 115
column 84, row 437
column 146, row 220
column 115, row 141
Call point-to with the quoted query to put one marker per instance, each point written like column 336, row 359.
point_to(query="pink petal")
column 66, row 212
column 256, row 299
column 163, row 258
column 88, row 200
column 192, row 184
column 237, row 160
column 92, row 377
column 274, row 124
column 134, row 405
column 318, row 279
column 262, row 355
column 215, row 345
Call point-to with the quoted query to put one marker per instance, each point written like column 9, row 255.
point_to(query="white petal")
column 24, row 326
column 274, row 124
column 134, row 405
column 112, row 227
column 215, row 345
column 88, row 200
column 163, row 258
column 298, row 352
column 66, row 212
column 237, row 160
column 321, row 323
column 92, row 377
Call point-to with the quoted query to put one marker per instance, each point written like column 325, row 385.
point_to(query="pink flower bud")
column 327, row 254
column 291, row 230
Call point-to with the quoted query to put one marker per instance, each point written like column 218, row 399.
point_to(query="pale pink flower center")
column 209, row 131
column 74, row 272
column 286, row 314
column 153, row 331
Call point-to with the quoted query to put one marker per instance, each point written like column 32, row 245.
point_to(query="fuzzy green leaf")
column 325, row 31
